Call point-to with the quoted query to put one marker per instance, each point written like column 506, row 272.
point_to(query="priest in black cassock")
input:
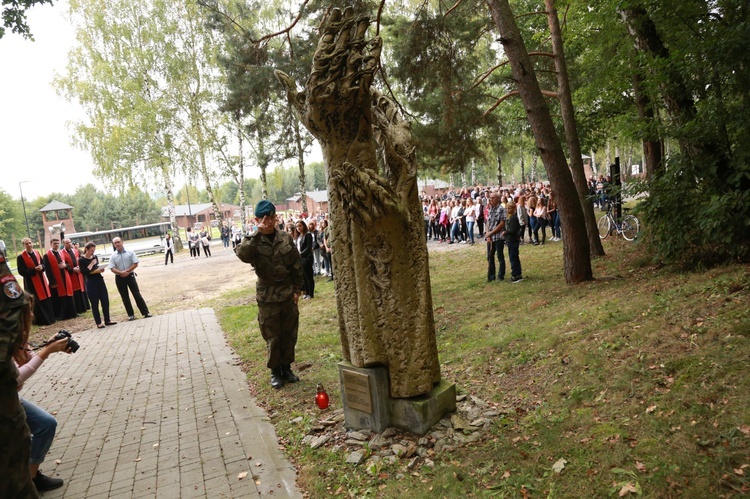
column 30, row 266
column 76, row 277
column 61, row 287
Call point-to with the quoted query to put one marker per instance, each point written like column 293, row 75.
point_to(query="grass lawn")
column 639, row 380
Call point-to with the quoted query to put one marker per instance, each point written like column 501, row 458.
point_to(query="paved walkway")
column 157, row 408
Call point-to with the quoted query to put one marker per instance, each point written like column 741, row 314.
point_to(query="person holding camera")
column 41, row 423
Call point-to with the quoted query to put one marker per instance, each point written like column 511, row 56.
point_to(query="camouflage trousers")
column 15, row 446
column 279, row 323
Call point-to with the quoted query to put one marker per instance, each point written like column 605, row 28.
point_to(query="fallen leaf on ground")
column 505, row 475
column 739, row 471
column 242, row 475
column 640, row 466
column 559, row 465
column 627, row 489
column 651, row 409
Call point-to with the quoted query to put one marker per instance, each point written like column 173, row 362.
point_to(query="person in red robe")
column 71, row 256
column 30, row 266
column 60, row 285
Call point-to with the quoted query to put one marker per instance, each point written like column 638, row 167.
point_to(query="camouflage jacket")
column 277, row 265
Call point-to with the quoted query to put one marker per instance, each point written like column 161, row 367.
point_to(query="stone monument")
column 379, row 247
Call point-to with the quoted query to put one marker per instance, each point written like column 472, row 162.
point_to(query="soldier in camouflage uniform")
column 15, row 439
column 276, row 262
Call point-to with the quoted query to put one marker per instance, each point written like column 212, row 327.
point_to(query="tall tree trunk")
column 576, row 252
column 263, row 165
column 499, row 171
column 533, row 176
column 523, row 169
column 678, row 101
column 201, row 145
column 571, row 129
column 653, row 147
column 241, row 173
column 300, row 162
column 607, row 159
column 169, row 188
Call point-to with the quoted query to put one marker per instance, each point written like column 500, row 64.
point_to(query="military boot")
column 286, row 372
column 277, row 378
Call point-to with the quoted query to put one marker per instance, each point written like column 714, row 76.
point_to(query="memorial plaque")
column 357, row 390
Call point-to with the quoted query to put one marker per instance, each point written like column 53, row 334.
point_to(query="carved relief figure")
column 379, row 249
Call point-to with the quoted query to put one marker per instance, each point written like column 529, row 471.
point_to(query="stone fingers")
column 297, row 99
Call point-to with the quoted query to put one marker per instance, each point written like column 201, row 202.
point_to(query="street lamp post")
column 23, row 203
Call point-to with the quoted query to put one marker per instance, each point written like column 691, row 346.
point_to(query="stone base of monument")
column 368, row 404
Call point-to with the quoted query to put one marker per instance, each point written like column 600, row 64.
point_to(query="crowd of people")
column 453, row 217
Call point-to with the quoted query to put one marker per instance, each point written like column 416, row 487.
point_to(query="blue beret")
column 264, row 208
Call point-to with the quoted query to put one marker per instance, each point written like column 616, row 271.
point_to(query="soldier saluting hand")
column 276, row 262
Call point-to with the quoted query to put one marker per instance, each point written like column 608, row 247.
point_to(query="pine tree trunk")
column 571, row 130
column 576, row 252
column 241, row 173
column 499, row 171
column 301, row 163
column 263, row 164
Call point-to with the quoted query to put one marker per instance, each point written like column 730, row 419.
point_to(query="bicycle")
column 628, row 227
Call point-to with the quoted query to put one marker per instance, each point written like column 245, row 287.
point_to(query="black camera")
column 72, row 344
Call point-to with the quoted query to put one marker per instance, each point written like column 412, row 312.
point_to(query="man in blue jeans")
column 494, row 238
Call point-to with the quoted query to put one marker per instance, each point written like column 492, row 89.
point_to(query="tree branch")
column 380, row 11
column 546, row 93
column 486, row 75
column 215, row 10
column 499, row 101
column 455, row 5
column 542, row 54
column 539, row 12
column 285, row 30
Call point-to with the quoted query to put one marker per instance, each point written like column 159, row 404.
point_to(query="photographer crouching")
column 41, row 424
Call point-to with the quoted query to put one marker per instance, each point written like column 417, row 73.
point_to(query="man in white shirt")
column 123, row 264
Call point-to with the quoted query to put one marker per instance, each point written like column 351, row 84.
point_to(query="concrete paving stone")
column 72, row 488
column 105, row 457
column 168, row 479
column 122, row 489
column 98, row 488
column 102, row 473
column 175, row 377
column 214, row 468
column 192, row 491
column 144, row 486
column 217, row 486
column 85, row 467
column 124, row 473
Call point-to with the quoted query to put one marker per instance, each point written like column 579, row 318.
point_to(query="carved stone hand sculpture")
column 379, row 249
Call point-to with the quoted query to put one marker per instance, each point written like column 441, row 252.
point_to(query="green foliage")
column 435, row 60
column 14, row 16
column 11, row 218
column 692, row 224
